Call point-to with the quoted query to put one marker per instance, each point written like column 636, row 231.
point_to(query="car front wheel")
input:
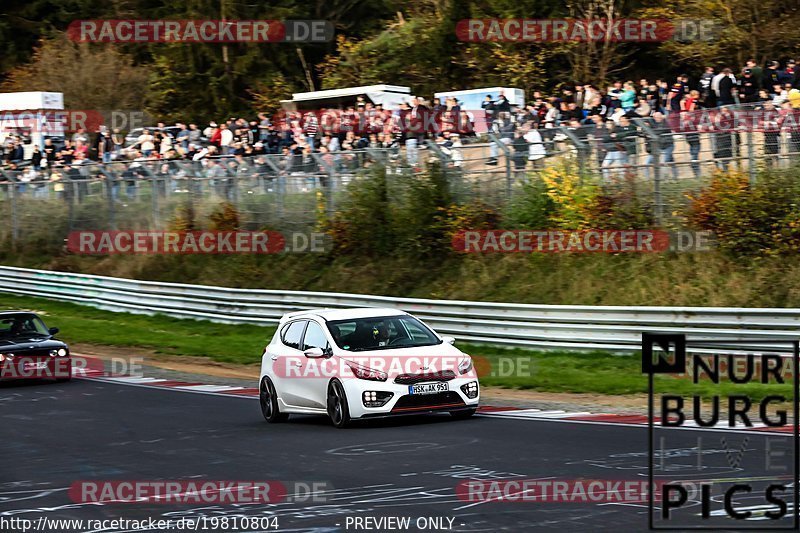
column 338, row 409
column 269, row 403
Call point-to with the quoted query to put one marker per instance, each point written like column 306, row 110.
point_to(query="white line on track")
column 543, row 416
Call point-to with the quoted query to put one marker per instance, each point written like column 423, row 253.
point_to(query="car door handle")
column 274, row 357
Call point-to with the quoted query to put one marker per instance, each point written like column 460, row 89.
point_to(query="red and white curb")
column 514, row 413
column 183, row 386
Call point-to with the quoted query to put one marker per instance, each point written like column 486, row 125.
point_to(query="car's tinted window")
column 315, row 337
column 375, row 333
column 416, row 332
column 292, row 333
column 22, row 324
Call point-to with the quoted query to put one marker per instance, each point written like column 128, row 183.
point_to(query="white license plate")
column 35, row 366
column 428, row 388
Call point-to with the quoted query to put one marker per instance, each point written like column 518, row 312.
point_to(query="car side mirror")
column 449, row 340
column 314, row 353
column 53, row 331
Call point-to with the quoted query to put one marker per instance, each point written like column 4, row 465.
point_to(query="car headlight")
column 465, row 366
column 62, row 352
column 2, row 357
column 362, row 372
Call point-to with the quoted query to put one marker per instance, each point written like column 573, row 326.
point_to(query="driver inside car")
column 380, row 334
column 19, row 327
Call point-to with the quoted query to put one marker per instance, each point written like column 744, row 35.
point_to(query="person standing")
column 146, row 143
column 225, row 139
column 725, row 88
column 666, row 144
column 690, row 105
column 757, row 72
column 49, row 151
column 105, row 147
column 489, row 110
column 119, row 143
column 36, row 158
column 417, row 119
column 678, row 90
column 748, row 88
column 628, row 97
column 770, row 78
column 707, row 96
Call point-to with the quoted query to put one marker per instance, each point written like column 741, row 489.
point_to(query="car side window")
column 315, row 338
column 415, row 332
column 292, row 333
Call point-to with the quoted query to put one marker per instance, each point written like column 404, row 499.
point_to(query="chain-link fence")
column 665, row 161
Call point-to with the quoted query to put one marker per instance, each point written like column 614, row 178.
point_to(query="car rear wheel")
column 269, row 403
column 461, row 415
column 338, row 409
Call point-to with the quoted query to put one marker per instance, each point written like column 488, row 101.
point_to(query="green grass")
column 596, row 373
column 558, row 371
column 241, row 344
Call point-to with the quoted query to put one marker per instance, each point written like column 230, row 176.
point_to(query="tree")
column 760, row 29
column 97, row 77
column 595, row 61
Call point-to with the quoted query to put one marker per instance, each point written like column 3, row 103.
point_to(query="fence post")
column 70, row 190
column 233, row 193
column 110, row 179
column 751, row 157
column 655, row 147
column 507, row 153
column 12, row 189
column 582, row 148
column 446, row 163
column 279, row 185
column 330, row 187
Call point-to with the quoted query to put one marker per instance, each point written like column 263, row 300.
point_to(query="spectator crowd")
column 607, row 122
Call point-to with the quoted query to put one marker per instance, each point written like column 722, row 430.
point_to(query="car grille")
column 410, row 379
column 412, row 402
column 31, row 353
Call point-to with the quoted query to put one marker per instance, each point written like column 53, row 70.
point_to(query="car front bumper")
column 404, row 403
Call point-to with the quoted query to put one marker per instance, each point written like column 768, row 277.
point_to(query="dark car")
column 28, row 349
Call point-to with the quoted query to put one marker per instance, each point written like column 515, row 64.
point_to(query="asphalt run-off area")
column 55, row 435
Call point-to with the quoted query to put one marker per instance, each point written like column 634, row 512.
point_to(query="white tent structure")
column 31, row 115
column 391, row 96
column 472, row 98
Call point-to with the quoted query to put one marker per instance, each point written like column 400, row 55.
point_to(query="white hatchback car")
column 363, row 363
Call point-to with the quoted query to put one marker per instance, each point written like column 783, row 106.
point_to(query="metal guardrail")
column 534, row 326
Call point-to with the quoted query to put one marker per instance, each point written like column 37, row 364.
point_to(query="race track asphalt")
column 53, row 435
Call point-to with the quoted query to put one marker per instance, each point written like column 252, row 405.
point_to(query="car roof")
column 344, row 314
column 6, row 313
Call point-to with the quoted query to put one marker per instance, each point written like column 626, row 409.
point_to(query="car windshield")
column 378, row 333
column 23, row 324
